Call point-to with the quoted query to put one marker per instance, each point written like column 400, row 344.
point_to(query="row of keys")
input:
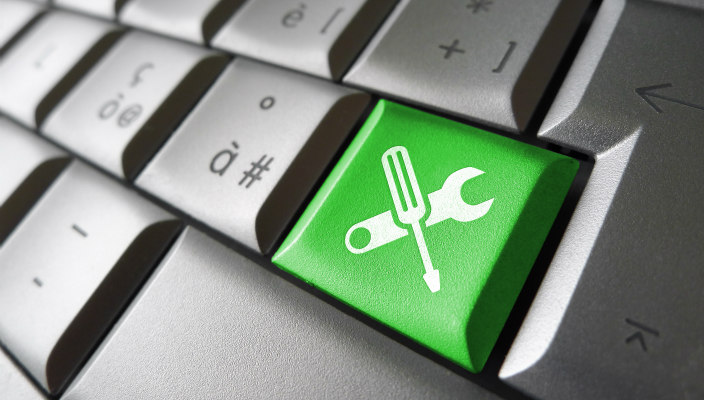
column 56, row 303
column 489, row 62
column 495, row 266
column 256, row 106
column 296, row 123
column 120, row 113
column 623, row 170
column 314, row 36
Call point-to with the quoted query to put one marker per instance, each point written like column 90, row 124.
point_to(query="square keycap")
column 431, row 227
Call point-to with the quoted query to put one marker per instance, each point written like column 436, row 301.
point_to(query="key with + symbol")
column 445, row 203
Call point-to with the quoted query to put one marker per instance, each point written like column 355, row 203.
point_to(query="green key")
column 431, row 227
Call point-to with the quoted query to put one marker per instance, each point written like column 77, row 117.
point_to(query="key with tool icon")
column 487, row 205
column 445, row 203
column 409, row 204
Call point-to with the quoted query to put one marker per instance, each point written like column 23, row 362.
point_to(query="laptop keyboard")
column 155, row 156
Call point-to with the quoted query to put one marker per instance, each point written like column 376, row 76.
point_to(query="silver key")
column 123, row 110
column 28, row 165
column 14, row 15
column 247, row 156
column 488, row 61
column 235, row 330
column 196, row 21
column 102, row 8
column 320, row 37
column 33, row 73
column 619, row 314
column 13, row 384
column 70, row 266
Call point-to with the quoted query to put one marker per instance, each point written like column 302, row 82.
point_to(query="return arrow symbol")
column 639, row 334
column 646, row 93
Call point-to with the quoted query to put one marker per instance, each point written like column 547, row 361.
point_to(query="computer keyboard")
column 351, row 199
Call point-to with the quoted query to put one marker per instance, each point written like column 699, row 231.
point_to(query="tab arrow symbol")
column 647, row 94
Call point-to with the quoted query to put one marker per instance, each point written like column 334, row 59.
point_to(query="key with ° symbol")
column 445, row 203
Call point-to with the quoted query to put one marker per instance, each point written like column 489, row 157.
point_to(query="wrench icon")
column 445, row 203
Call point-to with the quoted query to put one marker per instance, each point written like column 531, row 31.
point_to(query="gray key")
column 250, row 152
column 619, row 314
column 320, row 37
column 46, row 61
column 14, row 15
column 28, row 165
column 212, row 323
column 102, row 8
column 70, row 266
column 488, row 61
column 196, row 21
column 128, row 104
column 13, row 384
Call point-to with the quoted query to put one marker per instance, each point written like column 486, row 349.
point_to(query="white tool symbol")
column 409, row 204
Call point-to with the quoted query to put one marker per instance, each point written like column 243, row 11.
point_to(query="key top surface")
column 320, row 37
column 236, row 330
column 69, row 268
column 14, row 16
column 41, row 59
column 619, row 314
column 13, row 384
column 249, row 153
column 102, row 8
column 488, row 204
column 484, row 60
column 125, row 107
column 196, row 21
column 28, row 165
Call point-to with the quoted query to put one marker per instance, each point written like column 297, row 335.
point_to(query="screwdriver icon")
column 409, row 204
